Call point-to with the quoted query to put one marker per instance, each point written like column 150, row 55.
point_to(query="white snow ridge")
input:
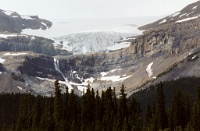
column 187, row 19
column 149, row 69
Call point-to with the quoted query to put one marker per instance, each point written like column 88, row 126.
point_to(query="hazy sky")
column 69, row 9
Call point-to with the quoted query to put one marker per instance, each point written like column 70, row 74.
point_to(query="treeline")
column 96, row 111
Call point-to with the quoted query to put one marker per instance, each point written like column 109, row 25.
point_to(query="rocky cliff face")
column 27, row 43
column 18, row 42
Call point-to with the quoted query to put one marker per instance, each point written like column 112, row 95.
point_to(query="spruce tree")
column 122, row 108
column 161, row 112
column 196, row 112
column 148, row 118
column 36, row 114
column 178, row 111
column 58, row 108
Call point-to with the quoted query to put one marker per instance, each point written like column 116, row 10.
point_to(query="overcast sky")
column 70, row 9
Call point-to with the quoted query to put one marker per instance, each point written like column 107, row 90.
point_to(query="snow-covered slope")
column 189, row 13
column 82, row 43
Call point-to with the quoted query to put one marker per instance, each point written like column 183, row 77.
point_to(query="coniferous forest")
column 148, row 110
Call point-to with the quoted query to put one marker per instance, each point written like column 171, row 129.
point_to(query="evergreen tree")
column 148, row 118
column 58, row 108
column 135, row 121
column 161, row 112
column 23, row 121
column 178, row 111
column 98, row 112
column 122, row 108
column 36, row 114
column 196, row 112
column 66, row 112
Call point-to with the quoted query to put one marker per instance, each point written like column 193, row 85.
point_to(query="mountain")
column 12, row 22
column 167, row 51
column 87, row 42
column 190, row 12
column 12, row 39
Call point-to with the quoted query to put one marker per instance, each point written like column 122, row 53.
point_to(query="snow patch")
column 15, row 16
column 104, row 73
column 114, row 70
column 10, row 35
column 8, row 12
column 118, row 46
column 7, row 35
column 111, row 71
column 163, row 21
column 33, row 38
column 194, row 57
column 154, row 77
column 195, row 7
column 19, row 87
column 149, row 69
column 2, row 60
column 187, row 19
column 114, row 78
column 14, row 54
column 26, row 17
column 88, row 81
column 44, row 24
column 175, row 14
column 128, row 38
column 183, row 15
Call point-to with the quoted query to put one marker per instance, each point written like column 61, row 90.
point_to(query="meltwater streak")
column 56, row 65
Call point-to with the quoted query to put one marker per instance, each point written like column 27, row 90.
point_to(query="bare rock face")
column 18, row 42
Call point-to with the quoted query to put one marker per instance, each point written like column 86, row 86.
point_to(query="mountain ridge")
column 12, row 22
